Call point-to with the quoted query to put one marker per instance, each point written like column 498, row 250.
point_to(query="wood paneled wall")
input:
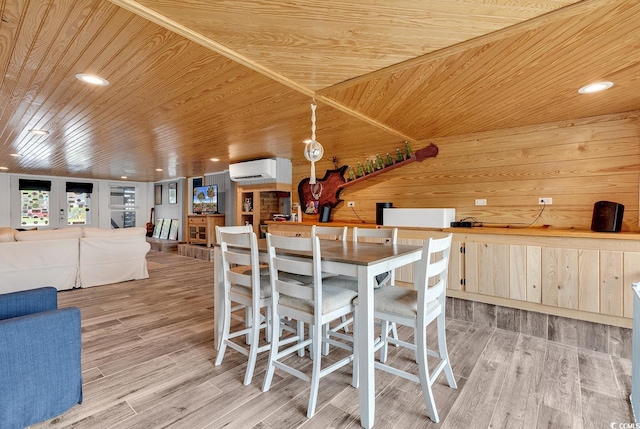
column 576, row 163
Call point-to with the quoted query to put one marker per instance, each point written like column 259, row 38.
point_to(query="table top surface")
column 356, row 253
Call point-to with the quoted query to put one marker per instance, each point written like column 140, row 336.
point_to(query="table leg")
column 365, row 347
column 218, row 296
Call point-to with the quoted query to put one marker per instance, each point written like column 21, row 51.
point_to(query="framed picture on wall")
column 173, row 193
column 158, row 195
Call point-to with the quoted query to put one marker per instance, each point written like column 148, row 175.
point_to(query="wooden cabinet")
column 586, row 276
column 580, row 277
column 202, row 228
column 257, row 204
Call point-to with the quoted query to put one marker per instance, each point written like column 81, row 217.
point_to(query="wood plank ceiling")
column 233, row 79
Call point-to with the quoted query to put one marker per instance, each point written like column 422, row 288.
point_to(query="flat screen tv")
column 205, row 199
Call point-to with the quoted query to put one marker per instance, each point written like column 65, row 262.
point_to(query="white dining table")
column 361, row 260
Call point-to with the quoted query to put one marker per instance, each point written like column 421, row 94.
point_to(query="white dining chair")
column 368, row 235
column 417, row 308
column 313, row 304
column 338, row 233
column 246, row 319
column 244, row 285
column 324, row 233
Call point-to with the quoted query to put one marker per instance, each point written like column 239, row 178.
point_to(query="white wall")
column 171, row 211
column 5, row 207
column 10, row 199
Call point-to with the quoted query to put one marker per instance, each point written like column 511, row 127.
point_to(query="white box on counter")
column 428, row 218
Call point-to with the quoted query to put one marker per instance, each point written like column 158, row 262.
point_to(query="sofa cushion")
column 48, row 234
column 33, row 264
column 7, row 234
column 119, row 232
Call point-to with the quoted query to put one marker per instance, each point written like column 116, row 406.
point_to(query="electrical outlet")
column 351, row 204
column 481, row 202
column 547, row 201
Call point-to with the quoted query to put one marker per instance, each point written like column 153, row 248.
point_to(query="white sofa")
column 71, row 258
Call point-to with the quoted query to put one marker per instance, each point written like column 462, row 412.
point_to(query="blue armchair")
column 40, row 357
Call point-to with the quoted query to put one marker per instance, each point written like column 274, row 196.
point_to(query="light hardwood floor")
column 148, row 363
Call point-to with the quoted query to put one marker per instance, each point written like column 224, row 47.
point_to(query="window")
column 34, row 202
column 79, row 203
column 122, row 205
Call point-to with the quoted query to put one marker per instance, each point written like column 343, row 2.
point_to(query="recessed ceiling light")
column 595, row 87
column 39, row 132
column 4, row 168
column 123, row 177
column 158, row 169
column 92, row 79
column 214, row 159
column 16, row 155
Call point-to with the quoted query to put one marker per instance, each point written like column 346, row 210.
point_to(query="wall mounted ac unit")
column 261, row 171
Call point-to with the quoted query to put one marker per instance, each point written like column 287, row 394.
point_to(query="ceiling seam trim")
column 169, row 24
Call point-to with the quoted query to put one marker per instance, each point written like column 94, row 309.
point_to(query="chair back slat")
column 436, row 268
column 375, row 235
column 294, row 290
column 289, row 243
column 439, row 245
column 293, row 266
column 236, row 239
column 232, row 230
column 241, row 279
column 338, row 233
column 236, row 258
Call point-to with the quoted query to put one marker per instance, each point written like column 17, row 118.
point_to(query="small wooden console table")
column 202, row 228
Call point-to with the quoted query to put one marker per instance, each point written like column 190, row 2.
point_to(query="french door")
column 78, row 204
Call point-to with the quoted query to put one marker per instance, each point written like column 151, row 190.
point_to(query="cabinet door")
column 588, row 280
column 518, row 272
column 471, row 267
column 560, row 277
column 534, row 274
column 631, row 274
column 456, row 265
column 611, row 275
column 493, row 269
column 503, row 270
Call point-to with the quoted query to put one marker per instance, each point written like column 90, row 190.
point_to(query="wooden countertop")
column 546, row 232
column 529, row 231
column 309, row 223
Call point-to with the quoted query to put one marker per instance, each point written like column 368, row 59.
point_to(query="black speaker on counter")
column 325, row 214
column 380, row 212
column 607, row 216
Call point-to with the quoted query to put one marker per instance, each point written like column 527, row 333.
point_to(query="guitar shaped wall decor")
column 326, row 191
